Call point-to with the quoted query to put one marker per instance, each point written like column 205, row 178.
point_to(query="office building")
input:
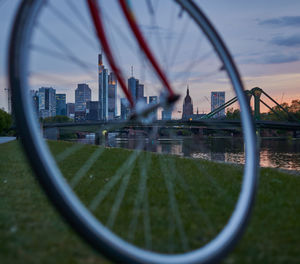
column 103, row 89
column 166, row 114
column 61, row 106
column 112, row 96
column 35, row 101
column 92, row 110
column 153, row 100
column 47, row 102
column 82, row 95
column 136, row 89
column 140, row 91
column 71, row 110
column 125, row 109
column 218, row 99
column 187, row 109
column 132, row 87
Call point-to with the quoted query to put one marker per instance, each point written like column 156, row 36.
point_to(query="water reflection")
column 275, row 153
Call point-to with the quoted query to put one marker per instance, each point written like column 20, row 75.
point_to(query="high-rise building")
column 92, row 110
column 82, row 94
column 103, row 89
column 136, row 89
column 132, row 85
column 140, row 91
column 71, row 110
column 61, row 106
column 112, row 96
column 35, row 100
column 166, row 114
column 125, row 109
column 218, row 99
column 47, row 102
column 153, row 100
column 187, row 109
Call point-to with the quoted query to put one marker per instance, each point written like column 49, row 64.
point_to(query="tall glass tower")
column 112, row 96
column 103, row 89
column 61, row 106
column 47, row 102
column 83, row 94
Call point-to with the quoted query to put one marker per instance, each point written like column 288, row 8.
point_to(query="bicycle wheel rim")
column 64, row 199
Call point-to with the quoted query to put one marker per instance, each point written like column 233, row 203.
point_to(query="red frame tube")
column 136, row 31
column 95, row 11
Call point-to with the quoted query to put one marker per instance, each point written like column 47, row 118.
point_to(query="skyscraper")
column 61, row 106
column 92, row 110
column 82, row 95
column 140, row 91
column 125, row 109
column 47, row 102
column 166, row 114
column 132, row 85
column 112, row 96
column 103, row 89
column 71, row 110
column 218, row 99
column 136, row 89
column 35, row 100
column 153, row 100
column 187, row 109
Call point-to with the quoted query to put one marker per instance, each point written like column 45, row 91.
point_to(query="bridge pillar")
column 256, row 92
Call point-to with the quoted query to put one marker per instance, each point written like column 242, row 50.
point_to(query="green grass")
column 31, row 231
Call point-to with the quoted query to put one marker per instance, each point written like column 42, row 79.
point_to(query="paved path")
column 6, row 139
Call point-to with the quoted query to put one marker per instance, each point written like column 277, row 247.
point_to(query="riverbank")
column 32, row 232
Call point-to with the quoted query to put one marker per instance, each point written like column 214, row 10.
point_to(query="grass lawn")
column 32, row 232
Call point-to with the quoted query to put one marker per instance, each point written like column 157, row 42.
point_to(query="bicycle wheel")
column 131, row 204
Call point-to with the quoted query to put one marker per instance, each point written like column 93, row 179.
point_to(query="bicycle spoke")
column 113, row 181
column 83, row 65
column 81, row 34
column 86, row 167
column 139, row 197
column 68, row 152
column 173, row 205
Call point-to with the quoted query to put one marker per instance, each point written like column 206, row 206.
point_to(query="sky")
column 262, row 36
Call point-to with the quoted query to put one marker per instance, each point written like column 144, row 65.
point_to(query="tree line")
column 291, row 111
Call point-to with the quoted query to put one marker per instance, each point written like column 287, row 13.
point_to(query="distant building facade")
column 153, row 100
column 82, row 95
column 166, row 114
column 92, row 110
column 61, row 106
column 112, row 96
column 71, row 110
column 187, row 109
column 47, row 102
column 102, row 89
column 218, row 99
column 125, row 108
column 35, row 100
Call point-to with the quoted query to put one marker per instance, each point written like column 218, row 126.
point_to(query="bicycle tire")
column 63, row 197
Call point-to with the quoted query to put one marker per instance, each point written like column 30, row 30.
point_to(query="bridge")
column 205, row 125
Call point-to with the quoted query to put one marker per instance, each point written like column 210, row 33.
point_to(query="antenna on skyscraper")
column 131, row 71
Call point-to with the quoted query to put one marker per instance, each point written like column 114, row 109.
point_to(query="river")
column 274, row 153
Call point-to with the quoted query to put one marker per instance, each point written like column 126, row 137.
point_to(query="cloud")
column 291, row 41
column 284, row 21
column 280, row 58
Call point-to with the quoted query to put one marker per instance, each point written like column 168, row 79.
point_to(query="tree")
column 233, row 114
column 5, row 122
column 57, row 119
